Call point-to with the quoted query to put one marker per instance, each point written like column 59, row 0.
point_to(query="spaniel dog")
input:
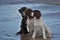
column 36, row 24
column 29, row 20
column 23, row 23
column 40, row 25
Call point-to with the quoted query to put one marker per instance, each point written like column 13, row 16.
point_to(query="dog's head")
column 22, row 11
column 37, row 14
column 29, row 13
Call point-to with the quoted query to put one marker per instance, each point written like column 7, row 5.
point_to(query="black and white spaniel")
column 36, row 24
column 23, row 23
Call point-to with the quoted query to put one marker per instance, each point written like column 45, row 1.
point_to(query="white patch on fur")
column 27, row 28
column 32, row 14
column 27, row 24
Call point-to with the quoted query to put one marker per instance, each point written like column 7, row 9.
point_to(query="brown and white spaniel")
column 29, row 20
column 36, row 24
column 40, row 25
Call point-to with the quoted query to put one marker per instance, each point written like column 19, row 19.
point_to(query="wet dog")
column 40, row 25
column 23, row 23
column 36, row 24
column 29, row 19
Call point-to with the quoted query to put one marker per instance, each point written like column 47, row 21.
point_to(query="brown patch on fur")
column 28, row 13
column 37, row 14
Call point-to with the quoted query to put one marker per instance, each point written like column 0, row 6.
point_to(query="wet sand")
column 27, row 37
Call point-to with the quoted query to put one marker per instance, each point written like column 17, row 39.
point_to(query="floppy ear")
column 37, row 14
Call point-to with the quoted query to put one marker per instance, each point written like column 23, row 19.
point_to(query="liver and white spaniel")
column 40, row 25
column 36, row 24
column 29, row 20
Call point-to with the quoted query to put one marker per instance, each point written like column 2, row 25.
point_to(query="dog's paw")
column 44, row 37
column 18, row 33
column 33, row 36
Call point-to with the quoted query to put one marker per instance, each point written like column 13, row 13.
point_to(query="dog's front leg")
column 44, row 35
column 34, row 33
column 27, row 25
column 27, row 28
